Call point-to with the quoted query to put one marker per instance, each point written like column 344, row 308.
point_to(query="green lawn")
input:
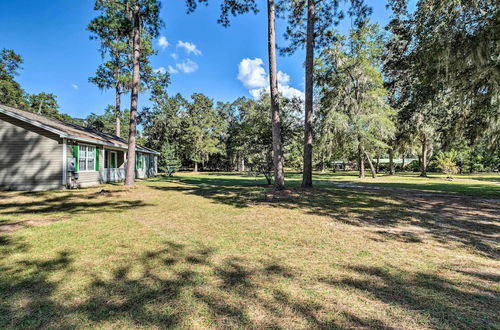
column 219, row 250
column 481, row 185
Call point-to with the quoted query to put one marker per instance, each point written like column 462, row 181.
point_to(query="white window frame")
column 87, row 159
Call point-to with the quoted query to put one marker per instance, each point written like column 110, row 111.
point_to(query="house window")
column 86, row 158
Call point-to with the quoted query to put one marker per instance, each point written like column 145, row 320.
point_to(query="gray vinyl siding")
column 30, row 157
column 150, row 165
column 149, row 169
column 88, row 179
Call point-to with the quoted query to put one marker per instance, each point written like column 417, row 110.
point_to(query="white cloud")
column 172, row 70
column 256, row 93
column 188, row 47
column 253, row 76
column 290, row 92
column 187, row 66
column 174, row 56
column 283, row 78
column 74, row 86
column 160, row 70
column 163, row 42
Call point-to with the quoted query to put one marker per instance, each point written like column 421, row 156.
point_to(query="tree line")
column 425, row 85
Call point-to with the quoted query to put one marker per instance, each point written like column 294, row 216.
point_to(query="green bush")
column 446, row 161
column 413, row 166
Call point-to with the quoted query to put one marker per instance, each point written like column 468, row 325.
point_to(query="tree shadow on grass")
column 455, row 188
column 447, row 219
column 26, row 289
column 169, row 281
column 445, row 303
column 68, row 203
column 172, row 286
column 428, row 185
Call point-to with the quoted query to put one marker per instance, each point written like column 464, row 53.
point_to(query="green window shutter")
column 143, row 161
column 75, row 155
column 97, row 152
column 112, row 164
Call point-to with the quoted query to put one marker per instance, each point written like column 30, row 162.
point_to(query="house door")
column 110, row 162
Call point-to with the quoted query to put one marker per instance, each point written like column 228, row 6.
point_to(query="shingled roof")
column 70, row 131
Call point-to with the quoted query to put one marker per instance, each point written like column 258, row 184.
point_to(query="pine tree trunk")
column 391, row 162
column 279, row 175
column 377, row 167
column 402, row 162
column 136, row 45
column 117, row 110
column 195, row 167
column 308, row 118
column 242, row 164
column 423, row 162
column 372, row 168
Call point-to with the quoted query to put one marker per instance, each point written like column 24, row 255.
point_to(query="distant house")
column 41, row 153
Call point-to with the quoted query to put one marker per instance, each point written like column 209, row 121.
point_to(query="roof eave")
column 65, row 135
column 34, row 123
column 109, row 144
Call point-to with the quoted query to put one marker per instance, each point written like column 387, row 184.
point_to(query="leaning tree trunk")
column 308, row 118
column 423, row 162
column 279, row 175
column 117, row 110
column 372, row 168
column 391, row 162
column 136, row 45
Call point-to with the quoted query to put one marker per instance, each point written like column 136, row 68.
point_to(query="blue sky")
column 59, row 58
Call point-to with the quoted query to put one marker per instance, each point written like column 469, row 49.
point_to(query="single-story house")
column 41, row 153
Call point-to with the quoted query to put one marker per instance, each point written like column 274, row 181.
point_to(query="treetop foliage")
column 427, row 88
